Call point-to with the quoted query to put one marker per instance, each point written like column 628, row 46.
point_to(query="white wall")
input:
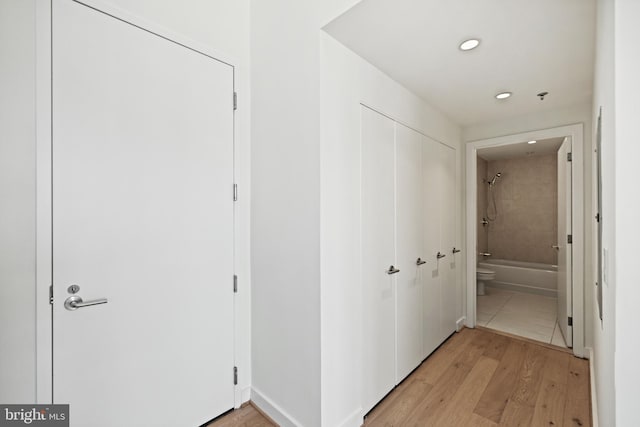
column 285, row 215
column 288, row 291
column 285, row 210
column 17, row 202
column 604, row 332
column 346, row 82
column 580, row 113
column 544, row 120
column 627, row 206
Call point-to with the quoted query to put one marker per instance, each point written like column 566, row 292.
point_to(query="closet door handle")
column 440, row 255
column 419, row 261
column 455, row 251
column 392, row 270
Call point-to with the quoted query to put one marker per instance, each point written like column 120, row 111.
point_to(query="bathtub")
column 523, row 276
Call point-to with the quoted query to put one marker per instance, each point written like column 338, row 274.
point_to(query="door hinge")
column 569, row 238
column 597, row 217
column 235, row 284
column 570, row 321
column 235, row 375
column 235, row 101
column 51, row 294
column 235, row 192
column 569, row 157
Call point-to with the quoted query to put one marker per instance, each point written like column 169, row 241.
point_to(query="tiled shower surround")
column 483, row 245
column 526, row 225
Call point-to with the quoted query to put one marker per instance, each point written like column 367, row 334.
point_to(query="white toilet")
column 482, row 275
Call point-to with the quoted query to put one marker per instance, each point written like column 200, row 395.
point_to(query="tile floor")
column 526, row 315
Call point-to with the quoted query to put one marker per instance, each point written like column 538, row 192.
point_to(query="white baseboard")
column 460, row 323
column 592, row 381
column 353, row 420
column 276, row 413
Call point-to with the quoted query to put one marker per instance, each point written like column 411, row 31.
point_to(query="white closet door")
column 431, row 218
column 378, row 254
column 142, row 216
column 447, row 265
column 409, row 249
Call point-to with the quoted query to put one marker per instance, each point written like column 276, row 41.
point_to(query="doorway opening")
column 525, row 220
column 522, row 273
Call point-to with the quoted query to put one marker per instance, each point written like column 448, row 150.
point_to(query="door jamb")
column 577, row 203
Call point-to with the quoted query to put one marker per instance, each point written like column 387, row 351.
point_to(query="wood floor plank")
column 456, row 340
column 435, row 365
column 390, row 401
column 433, row 368
column 549, row 410
column 480, row 343
column 460, row 409
column 246, row 416
column 516, row 414
column 434, row 403
column 497, row 348
column 530, row 376
column 395, row 409
column 430, row 408
column 521, row 405
column 476, row 420
column 504, row 380
column 557, row 367
column 577, row 410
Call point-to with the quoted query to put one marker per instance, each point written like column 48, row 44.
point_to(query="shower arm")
column 493, row 180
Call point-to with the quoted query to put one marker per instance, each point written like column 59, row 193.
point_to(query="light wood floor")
column 479, row 378
column 247, row 416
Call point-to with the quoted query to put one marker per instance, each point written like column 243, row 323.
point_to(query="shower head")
column 495, row 177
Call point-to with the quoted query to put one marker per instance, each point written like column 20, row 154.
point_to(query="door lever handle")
column 455, row 251
column 419, row 261
column 556, row 247
column 392, row 270
column 440, row 255
column 75, row 302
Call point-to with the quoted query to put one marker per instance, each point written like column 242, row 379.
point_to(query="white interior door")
column 565, row 280
column 142, row 216
column 378, row 255
column 409, row 250
column 447, row 240
column 431, row 219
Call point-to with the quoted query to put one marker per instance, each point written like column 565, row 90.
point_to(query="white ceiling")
column 523, row 149
column 527, row 46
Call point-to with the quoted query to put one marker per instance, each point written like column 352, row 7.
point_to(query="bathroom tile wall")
column 526, row 197
column 482, row 205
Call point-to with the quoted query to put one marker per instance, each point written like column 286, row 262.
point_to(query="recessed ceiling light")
column 503, row 95
column 532, row 142
column 469, row 44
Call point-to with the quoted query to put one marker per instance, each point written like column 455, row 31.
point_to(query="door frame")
column 44, row 207
column 576, row 132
